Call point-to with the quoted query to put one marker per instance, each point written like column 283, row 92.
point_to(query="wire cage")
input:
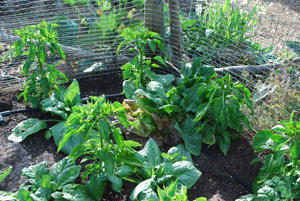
column 244, row 38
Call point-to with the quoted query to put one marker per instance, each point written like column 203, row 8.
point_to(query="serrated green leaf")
column 32, row 52
column 26, row 66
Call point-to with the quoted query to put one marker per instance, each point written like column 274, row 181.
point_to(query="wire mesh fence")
column 247, row 39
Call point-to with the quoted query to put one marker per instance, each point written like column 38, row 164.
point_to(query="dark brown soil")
column 215, row 182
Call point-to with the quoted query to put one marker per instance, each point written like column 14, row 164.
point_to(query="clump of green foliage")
column 220, row 34
column 138, row 72
column 279, row 177
column 43, row 81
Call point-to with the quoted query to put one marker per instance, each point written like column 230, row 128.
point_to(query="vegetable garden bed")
column 214, row 182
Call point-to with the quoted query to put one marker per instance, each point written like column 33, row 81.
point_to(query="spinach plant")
column 138, row 72
column 283, row 141
column 280, row 187
column 163, row 169
column 60, row 103
column 42, row 82
column 57, row 183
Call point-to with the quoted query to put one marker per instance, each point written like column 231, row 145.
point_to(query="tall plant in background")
column 138, row 72
column 43, row 81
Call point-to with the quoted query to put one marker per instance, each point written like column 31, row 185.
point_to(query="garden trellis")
column 244, row 39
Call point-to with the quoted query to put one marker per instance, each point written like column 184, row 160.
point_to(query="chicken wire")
column 272, row 78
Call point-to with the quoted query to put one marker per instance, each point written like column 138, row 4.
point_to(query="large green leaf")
column 116, row 183
column 158, row 88
column 179, row 151
column 186, row 172
column 58, row 131
column 224, row 141
column 35, row 173
column 72, row 192
column 260, row 140
column 273, row 164
column 144, row 188
column 219, row 111
column 129, row 89
column 192, row 140
column 95, row 186
column 24, row 195
column 124, row 171
column 151, row 153
column 64, row 172
column 72, row 94
column 52, row 104
column 165, row 80
column 25, row 128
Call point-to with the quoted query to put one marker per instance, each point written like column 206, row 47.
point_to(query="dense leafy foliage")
column 42, row 82
column 163, row 169
column 138, row 72
column 221, row 33
column 60, row 103
column 58, row 183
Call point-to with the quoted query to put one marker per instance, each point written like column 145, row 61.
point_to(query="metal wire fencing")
column 247, row 39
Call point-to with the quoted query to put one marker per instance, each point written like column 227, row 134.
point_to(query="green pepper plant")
column 42, row 82
column 138, row 72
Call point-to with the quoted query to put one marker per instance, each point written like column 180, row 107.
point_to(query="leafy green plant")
column 280, row 187
column 138, row 72
column 60, row 103
column 163, row 169
column 102, row 144
column 149, row 125
column 220, row 109
column 42, row 82
column 57, row 183
column 172, row 193
column 283, row 141
column 214, row 104
column 220, row 33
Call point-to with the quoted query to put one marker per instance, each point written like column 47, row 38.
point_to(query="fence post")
column 175, row 37
column 154, row 20
column 154, row 16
